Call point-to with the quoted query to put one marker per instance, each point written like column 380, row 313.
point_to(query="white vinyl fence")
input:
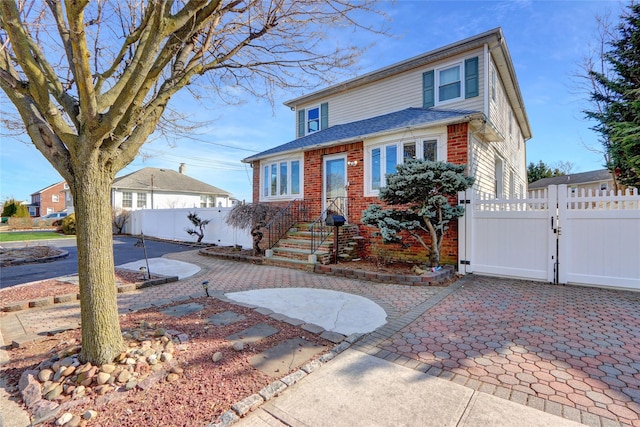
column 553, row 235
column 170, row 224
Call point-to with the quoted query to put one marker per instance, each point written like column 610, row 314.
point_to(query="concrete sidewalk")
column 356, row 389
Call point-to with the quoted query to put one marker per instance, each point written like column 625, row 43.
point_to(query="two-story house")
column 48, row 200
column 460, row 103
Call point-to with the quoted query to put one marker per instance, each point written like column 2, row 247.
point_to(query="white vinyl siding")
column 395, row 93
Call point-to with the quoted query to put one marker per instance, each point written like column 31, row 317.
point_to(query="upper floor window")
column 127, row 199
column 450, row 82
column 281, row 179
column 384, row 158
column 55, row 198
column 313, row 119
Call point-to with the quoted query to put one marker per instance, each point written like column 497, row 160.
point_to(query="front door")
column 335, row 183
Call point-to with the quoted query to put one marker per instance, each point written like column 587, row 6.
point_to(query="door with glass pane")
column 335, row 184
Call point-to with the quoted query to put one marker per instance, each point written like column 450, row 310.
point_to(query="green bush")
column 68, row 224
column 14, row 208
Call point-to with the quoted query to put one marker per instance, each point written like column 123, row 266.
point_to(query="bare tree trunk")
column 101, row 336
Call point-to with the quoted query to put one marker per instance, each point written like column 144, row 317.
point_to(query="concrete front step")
column 289, row 263
column 300, row 254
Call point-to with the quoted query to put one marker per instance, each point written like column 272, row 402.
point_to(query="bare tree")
column 254, row 216
column 92, row 80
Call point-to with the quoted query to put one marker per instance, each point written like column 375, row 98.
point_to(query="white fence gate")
column 553, row 235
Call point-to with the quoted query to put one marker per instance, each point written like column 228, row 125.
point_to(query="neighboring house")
column 153, row 188
column 596, row 181
column 48, row 200
column 460, row 103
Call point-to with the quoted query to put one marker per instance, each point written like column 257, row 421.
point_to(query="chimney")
column 182, row 169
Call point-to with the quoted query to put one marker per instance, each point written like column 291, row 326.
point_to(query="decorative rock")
column 65, row 418
column 103, row 378
column 89, row 415
column 31, row 394
column 142, row 368
column 166, row 357
column 68, row 361
column 108, row 368
column 131, row 384
column 217, row 356
column 119, row 358
column 45, row 375
column 157, row 367
column 124, row 376
column 183, row 338
column 57, row 391
column 74, row 421
column 160, row 332
column 238, row 346
column 59, row 373
column 69, row 371
column 78, row 392
column 177, row 370
column 103, row 389
column 172, row 377
column 44, row 410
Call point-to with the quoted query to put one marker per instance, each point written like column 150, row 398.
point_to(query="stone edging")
column 427, row 279
column 63, row 254
column 59, row 299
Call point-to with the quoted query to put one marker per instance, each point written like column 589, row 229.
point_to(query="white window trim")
column 289, row 195
column 437, row 82
column 441, row 152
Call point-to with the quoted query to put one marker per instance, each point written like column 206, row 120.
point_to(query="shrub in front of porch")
column 418, row 195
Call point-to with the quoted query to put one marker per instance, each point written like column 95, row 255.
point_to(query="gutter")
column 359, row 138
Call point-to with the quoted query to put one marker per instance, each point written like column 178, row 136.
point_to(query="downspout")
column 487, row 90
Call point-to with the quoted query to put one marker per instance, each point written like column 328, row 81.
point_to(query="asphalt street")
column 124, row 251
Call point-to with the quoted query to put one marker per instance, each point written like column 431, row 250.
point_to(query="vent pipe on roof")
column 182, row 169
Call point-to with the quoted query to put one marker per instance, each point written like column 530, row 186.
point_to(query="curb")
column 65, row 298
column 64, row 254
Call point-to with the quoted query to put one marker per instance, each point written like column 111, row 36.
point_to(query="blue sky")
column 547, row 41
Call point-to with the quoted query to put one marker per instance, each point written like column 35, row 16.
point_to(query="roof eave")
column 358, row 138
column 470, row 43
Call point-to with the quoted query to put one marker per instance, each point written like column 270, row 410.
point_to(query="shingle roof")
column 575, row 178
column 165, row 180
column 404, row 119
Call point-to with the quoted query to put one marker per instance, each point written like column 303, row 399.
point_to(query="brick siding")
column 411, row 251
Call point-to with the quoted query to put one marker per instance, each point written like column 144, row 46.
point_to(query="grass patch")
column 30, row 235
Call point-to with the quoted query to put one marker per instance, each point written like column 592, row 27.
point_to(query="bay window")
column 382, row 159
column 281, row 179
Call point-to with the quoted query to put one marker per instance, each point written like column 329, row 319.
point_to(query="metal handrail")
column 291, row 214
column 319, row 231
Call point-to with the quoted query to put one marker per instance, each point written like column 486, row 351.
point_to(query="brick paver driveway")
column 571, row 351
column 574, row 351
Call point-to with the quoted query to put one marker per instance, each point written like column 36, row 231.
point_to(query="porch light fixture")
column 352, row 163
